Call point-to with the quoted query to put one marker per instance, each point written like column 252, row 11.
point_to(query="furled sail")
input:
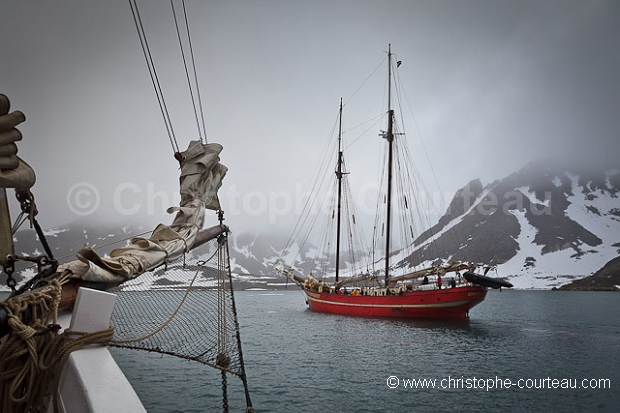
column 434, row 270
column 201, row 177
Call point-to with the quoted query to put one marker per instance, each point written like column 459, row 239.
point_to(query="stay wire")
column 366, row 80
column 191, row 51
column 305, row 215
column 401, row 93
column 187, row 75
column 153, row 73
column 307, row 219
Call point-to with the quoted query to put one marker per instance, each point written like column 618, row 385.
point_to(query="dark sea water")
column 300, row 361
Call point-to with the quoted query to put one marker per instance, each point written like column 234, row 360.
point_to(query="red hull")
column 446, row 303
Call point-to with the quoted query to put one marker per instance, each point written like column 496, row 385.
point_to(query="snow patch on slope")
column 531, row 269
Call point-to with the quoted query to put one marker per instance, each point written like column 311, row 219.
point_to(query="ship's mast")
column 339, row 174
column 390, row 138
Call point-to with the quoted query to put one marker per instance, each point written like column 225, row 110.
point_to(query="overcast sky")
column 493, row 85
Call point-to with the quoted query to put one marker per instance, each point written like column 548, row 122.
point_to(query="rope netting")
column 185, row 309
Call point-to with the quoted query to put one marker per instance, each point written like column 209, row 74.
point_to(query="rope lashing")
column 34, row 353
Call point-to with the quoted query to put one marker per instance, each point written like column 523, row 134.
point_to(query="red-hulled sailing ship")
column 446, row 290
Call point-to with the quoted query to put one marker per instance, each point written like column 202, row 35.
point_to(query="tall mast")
column 390, row 138
column 339, row 174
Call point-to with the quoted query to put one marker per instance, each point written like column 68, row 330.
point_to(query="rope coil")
column 34, row 353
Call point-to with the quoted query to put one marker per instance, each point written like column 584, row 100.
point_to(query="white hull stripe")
column 434, row 305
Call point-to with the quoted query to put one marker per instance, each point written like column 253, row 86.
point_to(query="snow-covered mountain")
column 543, row 226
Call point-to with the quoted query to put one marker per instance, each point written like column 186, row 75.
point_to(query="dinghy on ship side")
column 486, row 281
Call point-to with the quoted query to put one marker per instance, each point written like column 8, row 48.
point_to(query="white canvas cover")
column 201, row 177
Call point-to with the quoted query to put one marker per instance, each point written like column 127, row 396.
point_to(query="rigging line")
column 319, row 180
column 191, row 52
column 305, row 216
column 350, row 228
column 243, row 376
column 378, row 222
column 365, row 81
column 358, row 240
column 401, row 92
column 99, row 247
column 153, row 73
column 417, row 128
column 361, row 135
column 187, row 76
column 411, row 183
